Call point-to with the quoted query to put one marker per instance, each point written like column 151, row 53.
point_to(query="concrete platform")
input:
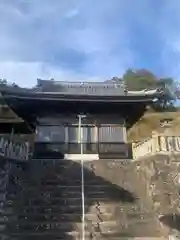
column 84, row 157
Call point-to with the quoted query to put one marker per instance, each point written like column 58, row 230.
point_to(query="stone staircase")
column 44, row 201
column 127, row 204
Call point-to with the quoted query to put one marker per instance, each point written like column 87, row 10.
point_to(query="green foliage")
column 144, row 79
column 139, row 79
column 136, row 80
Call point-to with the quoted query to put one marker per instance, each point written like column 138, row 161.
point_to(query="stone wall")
column 161, row 175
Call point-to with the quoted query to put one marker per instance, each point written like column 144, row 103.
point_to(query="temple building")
column 79, row 119
column 49, row 188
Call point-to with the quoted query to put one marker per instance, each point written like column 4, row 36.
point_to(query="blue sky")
column 87, row 39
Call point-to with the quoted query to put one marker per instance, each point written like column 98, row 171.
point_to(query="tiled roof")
column 85, row 88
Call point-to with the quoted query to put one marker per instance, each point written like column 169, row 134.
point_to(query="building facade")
column 74, row 119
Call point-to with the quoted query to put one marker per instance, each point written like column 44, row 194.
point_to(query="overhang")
column 28, row 104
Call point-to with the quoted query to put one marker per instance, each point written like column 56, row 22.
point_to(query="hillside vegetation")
column 152, row 122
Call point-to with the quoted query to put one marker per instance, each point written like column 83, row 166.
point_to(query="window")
column 50, row 134
column 110, row 133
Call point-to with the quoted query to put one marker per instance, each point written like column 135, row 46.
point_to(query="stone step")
column 69, row 210
column 49, row 217
column 51, row 162
column 102, row 210
column 22, row 225
column 57, row 203
column 55, row 196
column 105, row 216
column 106, row 208
column 73, row 235
column 78, row 189
column 109, row 227
column 47, row 195
column 47, row 202
column 49, row 235
column 50, row 188
column 26, row 226
column 45, row 216
column 126, row 236
column 61, row 183
column 122, row 235
column 45, row 229
column 70, row 178
column 43, row 209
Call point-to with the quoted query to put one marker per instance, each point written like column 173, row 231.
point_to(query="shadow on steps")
column 44, row 201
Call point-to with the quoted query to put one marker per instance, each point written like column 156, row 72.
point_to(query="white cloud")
column 33, row 32
column 27, row 73
column 23, row 73
column 36, row 34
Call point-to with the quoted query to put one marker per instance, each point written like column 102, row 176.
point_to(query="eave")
column 27, row 104
column 28, row 94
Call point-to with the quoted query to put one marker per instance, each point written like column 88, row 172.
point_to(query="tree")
column 141, row 79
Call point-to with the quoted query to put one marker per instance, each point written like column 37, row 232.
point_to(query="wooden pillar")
column 95, row 132
column 124, row 132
